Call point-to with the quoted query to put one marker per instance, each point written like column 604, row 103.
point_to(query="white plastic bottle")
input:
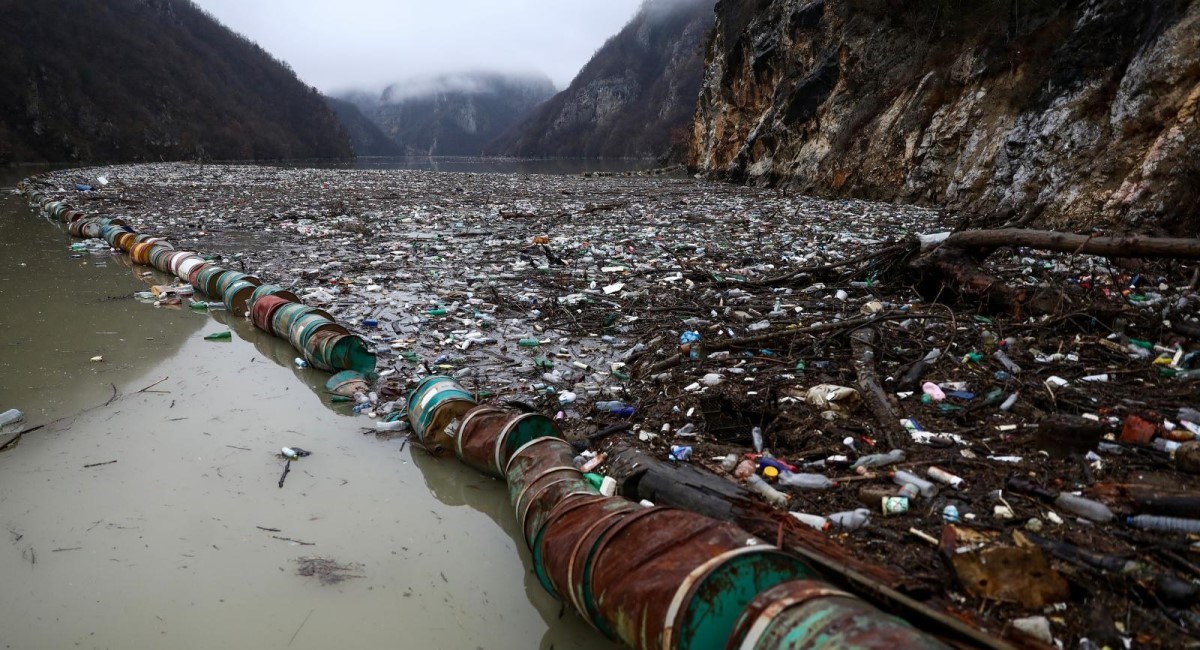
column 11, row 416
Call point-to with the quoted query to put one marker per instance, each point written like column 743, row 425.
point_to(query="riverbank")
column 460, row 274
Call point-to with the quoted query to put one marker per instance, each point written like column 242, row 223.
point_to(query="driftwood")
column 862, row 345
column 1062, row 242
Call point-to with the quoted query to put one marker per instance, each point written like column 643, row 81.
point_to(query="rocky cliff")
column 123, row 80
column 1068, row 114
column 452, row 114
column 634, row 98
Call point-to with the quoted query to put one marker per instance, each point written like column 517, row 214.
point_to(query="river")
column 147, row 512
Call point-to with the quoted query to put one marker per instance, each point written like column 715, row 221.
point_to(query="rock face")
column 634, row 98
column 124, row 80
column 452, row 115
column 365, row 136
column 1070, row 114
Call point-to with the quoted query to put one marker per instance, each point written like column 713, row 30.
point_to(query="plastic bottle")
column 686, row 430
column 850, row 519
column 395, row 425
column 816, row 521
column 681, row 453
column 805, row 481
column 11, row 416
column 607, row 407
column 757, row 436
column 908, row 491
column 1164, row 524
column 950, row 514
column 300, row 362
column 879, row 460
column 1086, row 508
column 730, row 462
column 942, row 476
column 901, row 477
column 1008, row 403
column 772, row 496
column 1008, row 363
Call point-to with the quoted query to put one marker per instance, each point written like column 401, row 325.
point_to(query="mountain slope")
column 121, row 80
column 634, row 98
column 452, row 115
column 365, row 136
column 1073, row 113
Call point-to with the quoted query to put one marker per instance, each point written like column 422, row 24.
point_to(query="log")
column 1063, row 242
column 862, row 345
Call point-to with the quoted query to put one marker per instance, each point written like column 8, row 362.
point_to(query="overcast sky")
column 367, row 44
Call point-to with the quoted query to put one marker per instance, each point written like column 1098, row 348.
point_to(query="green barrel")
column 206, row 282
column 349, row 352
column 228, row 280
column 159, row 258
column 236, row 296
column 281, row 321
column 811, row 614
column 432, row 406
column 264, row 290
column 318, row 348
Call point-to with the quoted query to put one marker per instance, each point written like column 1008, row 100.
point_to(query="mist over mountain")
column 634, row 98
column 452, row 114
column 124, row 80
column 365, row 136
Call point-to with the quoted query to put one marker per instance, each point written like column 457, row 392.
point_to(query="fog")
column 368, row 44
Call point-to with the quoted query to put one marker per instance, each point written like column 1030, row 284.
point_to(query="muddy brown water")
column 166, row 547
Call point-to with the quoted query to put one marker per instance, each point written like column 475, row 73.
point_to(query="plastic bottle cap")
column 770, row 472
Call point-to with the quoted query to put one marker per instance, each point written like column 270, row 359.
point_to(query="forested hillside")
column 123, row 80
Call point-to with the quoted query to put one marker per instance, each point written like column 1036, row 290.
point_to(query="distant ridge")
column 127, row 80
column 634, row 98
column 452, row 114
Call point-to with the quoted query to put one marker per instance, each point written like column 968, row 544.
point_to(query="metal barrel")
column 535, row 498
column 569, row 558
column 350, row 352
column 272, row 290
column 281, row 322
column 560, row 518
column 263, row 309
column 489, row 435
column 76, row 228
column 671, row 579
column 206, row 281
column 538, row 453
column 229, row 279
column 432, row 406
column 475, row 444
column 183, row 263
column 318, row 350
column 193, row 277
column 811, row 614
column 159, row 258
column 124, row 241
column 237, row 295
column 300, row 329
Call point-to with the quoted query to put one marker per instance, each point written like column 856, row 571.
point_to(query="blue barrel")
column 432, row 406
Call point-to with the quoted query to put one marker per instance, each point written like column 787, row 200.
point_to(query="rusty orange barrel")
column 475, row 443
column 489, row 436
column 539, row 491
column 671, row 579
column 433, row 405
column 124, row 241
column 560, row 519
column 262, row 309
column 569, row 555
column 76, row 228
column 811, row 614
